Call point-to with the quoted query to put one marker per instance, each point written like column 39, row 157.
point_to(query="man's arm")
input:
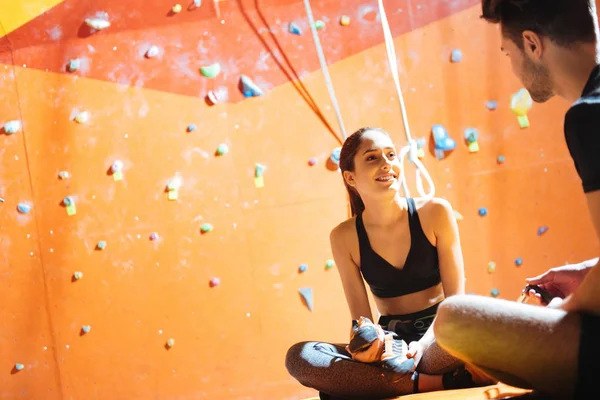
column 587, row 297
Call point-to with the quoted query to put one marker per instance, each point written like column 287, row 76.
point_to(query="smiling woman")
column 408, row 251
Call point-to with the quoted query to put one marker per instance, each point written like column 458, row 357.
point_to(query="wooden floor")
column 498, row 392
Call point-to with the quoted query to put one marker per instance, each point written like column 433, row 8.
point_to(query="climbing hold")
column 191, row 128
column 117, row 170
column 520, row 104
column 249, row 88
column 173, row 187
column 214, row 282
column 97, row 23
column 152, row 52
column 82, row 117
column 12, row 127
column 495, row 292
column 442, row 141
column 500, row 159
column 457, row 215
column 154, row 236
column 19, row 367
column 542, row 230
column 421, row 147
column 74, row 65
column 78, row 275
column 222, row 149
column 259, row 170
column 307, row 296
column 1, row 200
column 456, row 56
column 206, row 227
column 211, row 71
column 23, row 208
column 64, row 175
column 335, row 155
column 101, row 245
column 69, row 203
column 171, row 342
column 319, row 24
column 491, row 105
column 197, row 3
column 295, row 29
column 303, row 267
column 482, row 211
column 86, row 328
column 345, row 20
column 329, row 264
column 519, row 262
column 491, row 267
column 471, row 136
column 177, row 8
column 312, row 161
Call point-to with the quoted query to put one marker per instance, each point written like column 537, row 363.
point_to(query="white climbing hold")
column 152, row 52
column 74, row 65
column 97, row 23
column 12, row 127
column 197, row 3
column 171, row 342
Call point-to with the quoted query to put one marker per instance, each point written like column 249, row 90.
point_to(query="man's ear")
column 349, row 178
column 533, row 45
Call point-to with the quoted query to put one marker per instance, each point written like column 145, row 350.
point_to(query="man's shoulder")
column 584, row 110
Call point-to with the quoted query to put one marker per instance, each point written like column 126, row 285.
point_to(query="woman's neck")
column 383, row 212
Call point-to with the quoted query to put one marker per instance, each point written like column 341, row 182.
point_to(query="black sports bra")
column 421, row 269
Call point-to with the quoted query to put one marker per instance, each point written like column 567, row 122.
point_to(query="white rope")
column 323, row 63
column 411, row 147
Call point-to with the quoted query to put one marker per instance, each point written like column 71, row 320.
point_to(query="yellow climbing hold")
column 345, row 20
column 177, row 8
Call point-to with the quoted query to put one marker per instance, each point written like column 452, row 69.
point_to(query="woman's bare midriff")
column 410, row 303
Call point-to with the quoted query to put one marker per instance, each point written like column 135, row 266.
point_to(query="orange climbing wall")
column 230, row 340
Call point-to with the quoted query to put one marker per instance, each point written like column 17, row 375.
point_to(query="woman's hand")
column 415, row 351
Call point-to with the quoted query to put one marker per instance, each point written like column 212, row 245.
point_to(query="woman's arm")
column 354, row 286
column 450, row 255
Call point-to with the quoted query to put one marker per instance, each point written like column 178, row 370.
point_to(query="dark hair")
column 347, row 154
column 564, row 22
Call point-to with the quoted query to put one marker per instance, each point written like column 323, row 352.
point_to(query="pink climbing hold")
column 312, row 161
column 214, row 282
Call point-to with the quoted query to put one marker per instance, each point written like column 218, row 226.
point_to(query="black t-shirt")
column 582, row 133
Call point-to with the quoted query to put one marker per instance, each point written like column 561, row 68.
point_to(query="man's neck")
column 573, row 68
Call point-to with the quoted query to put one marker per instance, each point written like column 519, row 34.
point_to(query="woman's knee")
column 293, row 358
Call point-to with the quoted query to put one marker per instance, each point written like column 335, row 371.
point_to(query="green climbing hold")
column 206, row 227
column 329, row 264
column 222, row 149
column 319, row 24
column 211, row 71
column 495, row 292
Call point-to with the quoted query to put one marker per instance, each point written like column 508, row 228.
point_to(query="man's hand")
column 561, row 281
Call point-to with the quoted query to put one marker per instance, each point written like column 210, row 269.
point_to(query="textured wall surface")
column 229, row 341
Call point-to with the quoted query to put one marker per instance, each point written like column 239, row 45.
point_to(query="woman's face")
column 376, row 165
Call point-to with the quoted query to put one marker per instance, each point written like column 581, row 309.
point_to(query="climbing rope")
column 323, row 62
column 411, row 147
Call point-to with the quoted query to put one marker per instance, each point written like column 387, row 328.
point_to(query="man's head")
column 531, row 29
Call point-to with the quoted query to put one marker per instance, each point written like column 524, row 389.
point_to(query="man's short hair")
column 565, row 22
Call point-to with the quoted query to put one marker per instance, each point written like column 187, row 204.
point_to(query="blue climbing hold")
column 335, row 155
column 495, row 292
column 501, row 159
column 442, row 141
column 101, row 245
column 456, row 56
column 482, row 211
column 519, row 262
column 303, row 267
column 307, row 296
column 191, row 128
column 471, row 135
column 295, row 29
column 542, row 230
column 249, row 88
column 491, row 105
column 23, row 208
